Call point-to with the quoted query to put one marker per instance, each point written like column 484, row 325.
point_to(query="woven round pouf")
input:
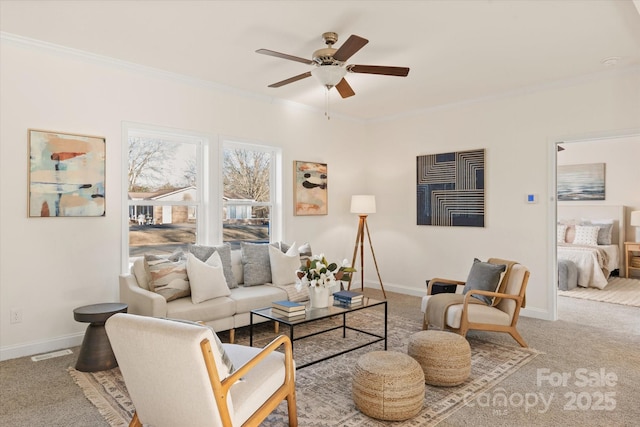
column 445, row 357
column 388, row 385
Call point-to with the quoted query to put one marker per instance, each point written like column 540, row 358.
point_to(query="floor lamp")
column 363, row 205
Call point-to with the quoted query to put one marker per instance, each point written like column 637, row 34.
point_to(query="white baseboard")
column 536, row 313
column 29, row 349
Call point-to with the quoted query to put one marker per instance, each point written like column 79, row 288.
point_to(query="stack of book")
column 288, row 309
column 347, row 298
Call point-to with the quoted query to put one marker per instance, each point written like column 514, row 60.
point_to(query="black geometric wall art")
column 450, row 189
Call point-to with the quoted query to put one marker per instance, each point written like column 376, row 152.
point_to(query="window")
column 249, row 175
column 163, row 190
column 172, row 188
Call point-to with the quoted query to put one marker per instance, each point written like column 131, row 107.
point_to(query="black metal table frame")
column 266, row 313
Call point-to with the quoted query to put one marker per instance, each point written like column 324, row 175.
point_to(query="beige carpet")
column 324, row 389
column 619, row 291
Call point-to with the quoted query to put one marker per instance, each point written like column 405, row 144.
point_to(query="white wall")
column 621, row 157
column 518, row 133
column 49, row 266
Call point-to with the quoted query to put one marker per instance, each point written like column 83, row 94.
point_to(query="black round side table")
column 96, row 353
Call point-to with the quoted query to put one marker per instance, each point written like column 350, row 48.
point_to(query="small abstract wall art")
column 310, row 193
column 66, row 174
column 581, row 182
column 450, row 189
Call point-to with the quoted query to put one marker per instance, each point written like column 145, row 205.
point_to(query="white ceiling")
column 457, row 50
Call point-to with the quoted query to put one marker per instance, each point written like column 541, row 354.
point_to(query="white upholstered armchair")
column 179, row 374
column 499, row 314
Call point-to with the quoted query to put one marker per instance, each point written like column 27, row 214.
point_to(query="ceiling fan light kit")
column 330, row 75
column 329, row 64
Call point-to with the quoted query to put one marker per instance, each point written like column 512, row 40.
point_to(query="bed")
column 592, row 238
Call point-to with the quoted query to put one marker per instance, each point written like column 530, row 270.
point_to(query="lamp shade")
column 329, row 75
column 363, row 204
column 635, row 219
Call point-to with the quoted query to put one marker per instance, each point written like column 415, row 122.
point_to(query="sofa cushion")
column 284, row 265
column 255, row 263
column 484, row 276
column 206, row 279
column 249, row 298
column 204, row 252
column 206, row 311
column 167, row 278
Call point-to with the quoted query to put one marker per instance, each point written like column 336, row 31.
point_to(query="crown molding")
column 57, row 49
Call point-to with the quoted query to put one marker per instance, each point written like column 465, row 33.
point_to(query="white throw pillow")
column 206, row 279
column 586, row 235
column 284, row 266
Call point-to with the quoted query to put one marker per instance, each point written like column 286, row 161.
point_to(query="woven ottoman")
column 388, row 385
column 445, row 357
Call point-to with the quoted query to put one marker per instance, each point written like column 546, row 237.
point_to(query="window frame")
column 275, row 187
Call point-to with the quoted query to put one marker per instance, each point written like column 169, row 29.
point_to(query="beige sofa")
column 221, row 313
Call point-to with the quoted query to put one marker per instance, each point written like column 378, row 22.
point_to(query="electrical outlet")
column 15, row 316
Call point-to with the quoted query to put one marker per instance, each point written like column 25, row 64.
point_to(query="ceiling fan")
column 329, row 64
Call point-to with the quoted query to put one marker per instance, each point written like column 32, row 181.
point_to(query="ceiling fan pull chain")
column 326, row 98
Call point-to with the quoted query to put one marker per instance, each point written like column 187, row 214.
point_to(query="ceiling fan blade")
column 285, row 56
column 379, row 69
column 292, row 79
column 349, row 48
column 344, row 89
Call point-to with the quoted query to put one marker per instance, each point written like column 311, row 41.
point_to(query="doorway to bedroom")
column 596, row 191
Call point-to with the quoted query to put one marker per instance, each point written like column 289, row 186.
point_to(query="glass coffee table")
column 316, row 314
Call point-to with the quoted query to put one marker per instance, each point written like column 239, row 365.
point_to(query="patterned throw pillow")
column 586, row 235
column 255, row 263
column 166, row 277
column 562, row 231
column 204, row 252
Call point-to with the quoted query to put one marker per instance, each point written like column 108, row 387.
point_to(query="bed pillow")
column 484, row 276
column 605, row 232
column 586, row 235
column 562, row 231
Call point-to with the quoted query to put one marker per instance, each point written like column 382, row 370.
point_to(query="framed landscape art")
column 309, row 188
column 581, row 182
column 66, row 174
column 450, row 189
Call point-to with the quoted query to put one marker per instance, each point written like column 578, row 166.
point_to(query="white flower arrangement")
column 319, row 272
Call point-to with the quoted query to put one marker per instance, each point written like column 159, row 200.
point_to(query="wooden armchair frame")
column 466, row 325
column 221, row 389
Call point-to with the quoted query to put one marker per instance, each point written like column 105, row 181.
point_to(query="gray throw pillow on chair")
column 484, row 276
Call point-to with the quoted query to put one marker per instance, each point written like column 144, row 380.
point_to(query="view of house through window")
column 248, row 173
column 163, row 195
column 166, row 207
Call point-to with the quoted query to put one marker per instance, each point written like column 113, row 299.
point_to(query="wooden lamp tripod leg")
column 362, row 225
column 359, row 243
column 374, row 259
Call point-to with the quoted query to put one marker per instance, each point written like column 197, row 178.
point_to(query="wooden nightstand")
column 629, row 249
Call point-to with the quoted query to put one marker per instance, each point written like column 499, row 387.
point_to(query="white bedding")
column 594, row 266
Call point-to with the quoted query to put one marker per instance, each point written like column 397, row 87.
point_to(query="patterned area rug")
column 619, row 290
column 324, row 389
